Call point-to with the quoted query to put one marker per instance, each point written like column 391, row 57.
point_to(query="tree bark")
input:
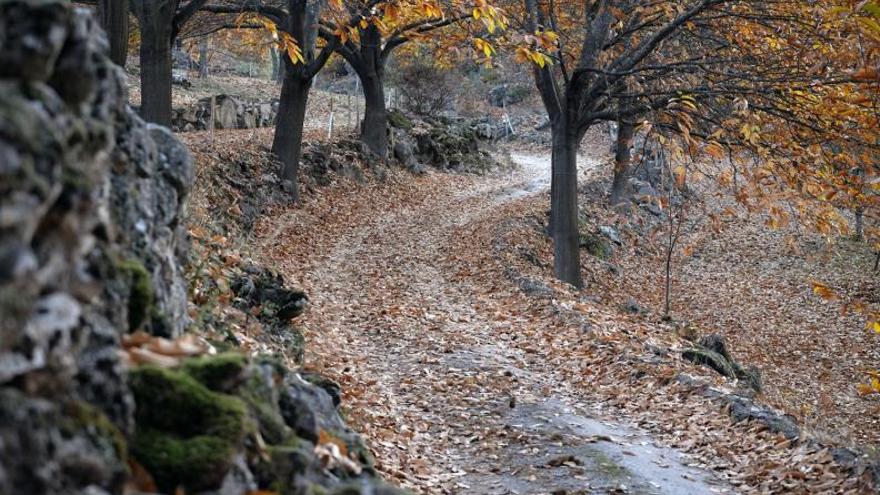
column 374, row 133
column 622, row 159
column 155, row 54
column 113, row 15
column 287, row 143
column 566, row 261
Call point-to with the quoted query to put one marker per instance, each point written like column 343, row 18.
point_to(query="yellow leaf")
column 823, row 291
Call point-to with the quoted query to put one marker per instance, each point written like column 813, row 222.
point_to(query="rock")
column 57, row 447
column 180, row 79
column 632, row 306
column 596, row 245
column 263, row 288
column 332, row 388
column 85, row 188
column 229, row 113
column 611, row 234
column 404, row 153
column 712, row 351
column 262, row 292
column 225, row 112
column 399, row 120
column 711, row 359
column 507, row 94
column 716, row 343
column 653, row 209
column 742, row 409
column 32, row 43
column 92, row 247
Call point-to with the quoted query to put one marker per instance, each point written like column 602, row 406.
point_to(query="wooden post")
column 211, row 119
column 330, row 121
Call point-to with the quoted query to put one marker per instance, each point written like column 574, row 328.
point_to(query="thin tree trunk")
column 374, row 127
column 203, row 57
column 860, row 223
column 287, row 143
column 113, row 15
column 155, row 68
column 564, row 208
column 622, row 159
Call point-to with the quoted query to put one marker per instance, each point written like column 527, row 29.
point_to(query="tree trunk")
column 287, row 143
column 622, row 159
column 374, row 127
column 860, row 223
column 563, row 205
column 155, row 66
column 203, row 57
column 113, row 15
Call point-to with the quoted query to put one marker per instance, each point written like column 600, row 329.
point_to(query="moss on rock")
column 83, row 416
column 186, row 435
column 220, row 373
column 397, row 119
column 596, row 245
column 141, row 296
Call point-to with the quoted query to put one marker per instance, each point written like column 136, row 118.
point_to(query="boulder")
column 507, row 94
column 226, row 111
column 180, row 79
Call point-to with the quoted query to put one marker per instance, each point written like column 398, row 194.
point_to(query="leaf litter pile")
column 433, row 305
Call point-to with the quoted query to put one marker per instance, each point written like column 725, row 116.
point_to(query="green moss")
column 220, row 373
column 186, row 434
column 316, row 490
column 141, row 296
column 285, row 464
column 595, row 245
column 260, row 396
column 296, row 347
column 86, row 417
column 397, row 119
column 196, row 463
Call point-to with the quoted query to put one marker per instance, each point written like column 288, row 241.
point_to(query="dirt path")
column 448, row 405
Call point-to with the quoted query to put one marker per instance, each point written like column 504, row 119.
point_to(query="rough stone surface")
column 91, row 248
column 90, row 206
column 507, row 94
column 229, row 113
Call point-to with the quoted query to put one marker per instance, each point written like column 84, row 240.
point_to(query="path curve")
column 454, row 408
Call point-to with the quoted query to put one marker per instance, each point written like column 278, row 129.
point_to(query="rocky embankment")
column 101, row 389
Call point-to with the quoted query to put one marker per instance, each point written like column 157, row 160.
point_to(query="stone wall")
column 92, row 248
column 229, row 113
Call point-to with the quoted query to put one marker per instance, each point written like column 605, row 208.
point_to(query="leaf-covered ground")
column 433, row 305
column 753, row 284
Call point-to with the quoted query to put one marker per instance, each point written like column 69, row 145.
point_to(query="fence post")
column 330, row 122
